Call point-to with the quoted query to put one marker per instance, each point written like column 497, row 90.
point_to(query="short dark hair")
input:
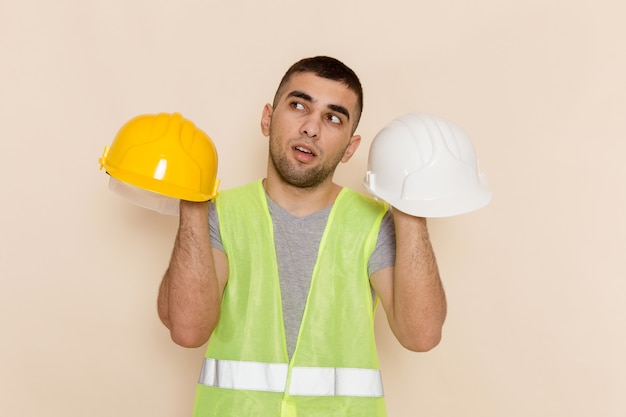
column 329, row 68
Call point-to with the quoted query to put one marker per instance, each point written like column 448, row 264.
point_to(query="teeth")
column 301, row 149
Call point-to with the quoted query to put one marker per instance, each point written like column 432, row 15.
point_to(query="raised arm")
column 191, row 289
column 411, row 292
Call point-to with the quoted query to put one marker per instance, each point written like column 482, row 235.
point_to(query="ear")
column 355, row 141
column 266, row 119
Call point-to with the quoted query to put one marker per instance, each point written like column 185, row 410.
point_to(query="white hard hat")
column 427, row 167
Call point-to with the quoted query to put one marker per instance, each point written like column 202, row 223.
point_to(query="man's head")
column 312, row 122
column 329, row 68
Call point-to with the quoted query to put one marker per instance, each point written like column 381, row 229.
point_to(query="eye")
column 297, row 105
column 334, row 118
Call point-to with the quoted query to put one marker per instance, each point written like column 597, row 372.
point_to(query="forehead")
column 322, row 90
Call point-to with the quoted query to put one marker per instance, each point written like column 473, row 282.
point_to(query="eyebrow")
column 307, row 97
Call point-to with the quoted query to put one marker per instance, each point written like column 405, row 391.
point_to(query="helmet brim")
column 438, row 207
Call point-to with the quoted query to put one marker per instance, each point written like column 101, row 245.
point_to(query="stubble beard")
column 297, row 174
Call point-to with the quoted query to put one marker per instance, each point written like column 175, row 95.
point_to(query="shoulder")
column 361, row 202
column 237, row 194
column 240, row 189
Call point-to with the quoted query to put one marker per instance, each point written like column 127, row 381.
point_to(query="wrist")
column 405, row 217
column 193, row 208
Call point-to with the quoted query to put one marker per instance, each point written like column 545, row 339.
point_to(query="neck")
column 298, row 201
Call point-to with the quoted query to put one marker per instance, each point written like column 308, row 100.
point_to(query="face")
column 310, row 130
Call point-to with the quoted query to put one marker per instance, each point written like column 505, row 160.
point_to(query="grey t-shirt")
column 296, row 241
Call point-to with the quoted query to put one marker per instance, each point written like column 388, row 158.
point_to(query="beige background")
column 536, row 281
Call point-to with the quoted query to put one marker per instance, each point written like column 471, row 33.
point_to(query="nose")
column 310, row 128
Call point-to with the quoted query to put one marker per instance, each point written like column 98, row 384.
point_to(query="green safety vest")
column 334, row 369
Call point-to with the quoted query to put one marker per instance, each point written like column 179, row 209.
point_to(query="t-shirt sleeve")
column 214, row 228
column 384, row 254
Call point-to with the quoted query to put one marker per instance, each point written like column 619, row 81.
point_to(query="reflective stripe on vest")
column 255, row 376
column 305, row 381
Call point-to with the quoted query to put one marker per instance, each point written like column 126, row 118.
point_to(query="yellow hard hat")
column 165, row 154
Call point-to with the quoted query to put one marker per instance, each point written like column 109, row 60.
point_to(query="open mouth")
column 303, row 150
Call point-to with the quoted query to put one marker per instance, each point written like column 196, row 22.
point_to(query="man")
column 282, row 279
